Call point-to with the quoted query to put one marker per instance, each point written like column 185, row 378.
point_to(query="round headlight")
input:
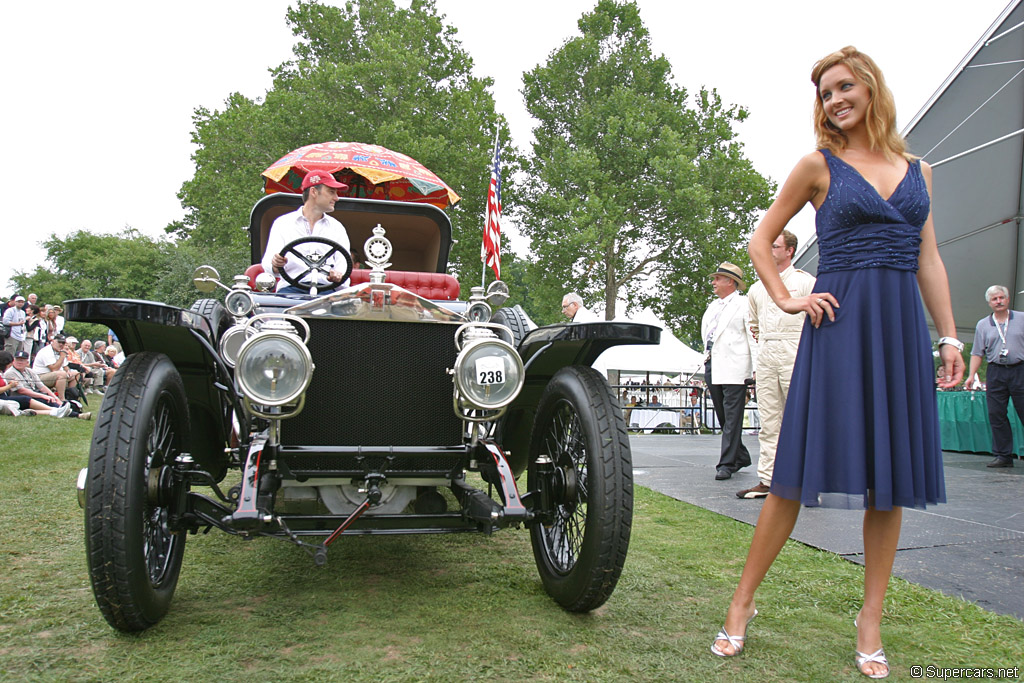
column 274, row 368
column 478, row 312
column 488, row 374
column 231, row 343
column 239, row 303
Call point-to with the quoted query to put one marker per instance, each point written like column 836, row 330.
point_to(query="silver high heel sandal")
column 877, row 657
column 735, row 641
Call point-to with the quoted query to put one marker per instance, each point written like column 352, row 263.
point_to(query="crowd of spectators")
column 660, row 392
column 43, row 371
column 688, row 399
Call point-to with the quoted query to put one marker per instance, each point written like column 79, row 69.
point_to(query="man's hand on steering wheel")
column 318, row 264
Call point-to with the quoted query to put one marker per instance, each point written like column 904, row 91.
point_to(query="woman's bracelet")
column 952, row 341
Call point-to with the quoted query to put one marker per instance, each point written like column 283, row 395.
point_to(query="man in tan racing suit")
column 776, row 336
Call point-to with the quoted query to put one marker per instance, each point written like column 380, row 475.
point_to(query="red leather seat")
column 433, row 286
column 252, row 271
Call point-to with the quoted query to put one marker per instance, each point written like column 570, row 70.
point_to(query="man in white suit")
column 575, row 311
column 727, row 365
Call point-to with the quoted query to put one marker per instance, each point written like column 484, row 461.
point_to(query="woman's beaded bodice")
column 857, row 228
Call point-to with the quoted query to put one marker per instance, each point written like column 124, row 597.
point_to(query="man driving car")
column 319, row 194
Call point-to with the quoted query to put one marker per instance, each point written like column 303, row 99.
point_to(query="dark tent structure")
column 971, row 132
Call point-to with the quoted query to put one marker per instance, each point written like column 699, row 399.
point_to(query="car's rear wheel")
column 134, row 558
column 581, row 547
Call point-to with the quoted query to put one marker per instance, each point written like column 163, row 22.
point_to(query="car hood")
column 377, row 301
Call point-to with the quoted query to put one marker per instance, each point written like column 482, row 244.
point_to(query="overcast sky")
column 100, row 95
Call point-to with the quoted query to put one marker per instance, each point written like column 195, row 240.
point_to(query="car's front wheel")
column 134, row 558
column 587, row 486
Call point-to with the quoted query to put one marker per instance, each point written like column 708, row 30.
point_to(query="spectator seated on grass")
column 13, row 403
column 99, row 371
column 50, row 366
column 101, row 352
column 74, row 362
column 28, row 384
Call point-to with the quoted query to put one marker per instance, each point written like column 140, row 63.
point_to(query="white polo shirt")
column 46, row 357
column 294, row 225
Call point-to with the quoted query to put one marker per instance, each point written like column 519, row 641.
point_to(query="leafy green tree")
column 370, row 72
column 631, row 193
column 84, row 265
column 518, row 273
column 175, row 286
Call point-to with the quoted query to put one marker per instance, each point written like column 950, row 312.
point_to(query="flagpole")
column 483, row 256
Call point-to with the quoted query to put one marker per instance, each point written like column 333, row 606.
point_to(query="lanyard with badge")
column 1002, row 335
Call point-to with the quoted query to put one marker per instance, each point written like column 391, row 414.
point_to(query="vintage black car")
column 366, row 409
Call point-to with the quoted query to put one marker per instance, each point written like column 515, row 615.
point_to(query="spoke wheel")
column 318, row 265
column 134, row 558
column 579, row 426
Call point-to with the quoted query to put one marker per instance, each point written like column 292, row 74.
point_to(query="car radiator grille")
column 377, row 383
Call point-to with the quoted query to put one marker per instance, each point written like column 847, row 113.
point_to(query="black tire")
column 214, row 311
column 580, row 427
column 516, row 320
column 134, row 559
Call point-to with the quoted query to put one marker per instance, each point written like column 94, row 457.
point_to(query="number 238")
column 491, row 377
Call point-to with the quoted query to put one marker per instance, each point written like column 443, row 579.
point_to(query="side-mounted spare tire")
column 516, row 320
column 581, row 546
column 134, row 558
column 214, row 311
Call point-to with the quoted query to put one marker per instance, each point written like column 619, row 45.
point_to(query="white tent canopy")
column 971, row 132
column 670, row 357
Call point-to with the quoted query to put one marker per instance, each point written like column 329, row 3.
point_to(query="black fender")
column 190, row 341
column 545, row 351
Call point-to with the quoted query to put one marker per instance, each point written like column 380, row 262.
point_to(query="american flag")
column 490, row 252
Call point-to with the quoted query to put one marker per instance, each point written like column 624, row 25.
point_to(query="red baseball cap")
column 321, row 178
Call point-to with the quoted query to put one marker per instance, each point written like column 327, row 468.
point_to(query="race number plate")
column 490, row 370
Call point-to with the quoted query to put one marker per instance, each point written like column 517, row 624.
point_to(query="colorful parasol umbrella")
column 369, row 170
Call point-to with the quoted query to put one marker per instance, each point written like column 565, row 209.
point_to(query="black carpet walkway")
column 971, row 547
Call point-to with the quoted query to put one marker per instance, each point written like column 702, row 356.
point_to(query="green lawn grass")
column 443, row 608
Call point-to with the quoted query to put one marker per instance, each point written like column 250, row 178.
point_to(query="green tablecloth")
column 963, row 420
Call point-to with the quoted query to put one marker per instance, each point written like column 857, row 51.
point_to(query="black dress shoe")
column 1001, row 461
column 723, row 473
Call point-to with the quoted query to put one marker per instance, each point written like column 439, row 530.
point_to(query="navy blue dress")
column 861, row 424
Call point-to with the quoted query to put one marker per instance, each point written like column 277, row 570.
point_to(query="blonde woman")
column 861, row 423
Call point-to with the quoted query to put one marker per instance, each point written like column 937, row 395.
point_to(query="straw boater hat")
column 731, row 271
